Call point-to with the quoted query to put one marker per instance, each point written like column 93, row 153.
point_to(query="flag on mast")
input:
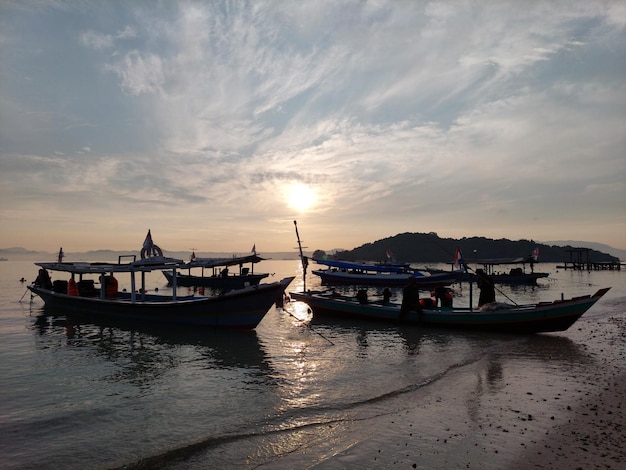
column 459, row 263
column 147, row 243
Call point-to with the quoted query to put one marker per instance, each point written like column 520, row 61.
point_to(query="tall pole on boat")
column 303, row 259
column 463, row 264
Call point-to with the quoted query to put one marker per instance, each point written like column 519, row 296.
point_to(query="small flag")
column 147, row 243
column 536, row 254
column 389, row 254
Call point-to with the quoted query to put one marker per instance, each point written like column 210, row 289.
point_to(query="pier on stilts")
column 579, row 260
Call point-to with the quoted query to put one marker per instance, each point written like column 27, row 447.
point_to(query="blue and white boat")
column 388, row 275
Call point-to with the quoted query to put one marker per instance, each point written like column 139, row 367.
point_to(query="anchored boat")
column 92, row 290
column 215, row 273
column 364, row 274
column 540, row 317
column 558, row 315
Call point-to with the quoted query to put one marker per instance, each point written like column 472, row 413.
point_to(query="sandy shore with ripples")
column 564, row 411
column 528, row 420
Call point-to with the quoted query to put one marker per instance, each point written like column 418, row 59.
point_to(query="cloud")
column 96, row 40
column 140, row 73
column 456, row 116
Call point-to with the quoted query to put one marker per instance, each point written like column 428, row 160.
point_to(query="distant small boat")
column 390, row 275
column 516, row 275
column 533, row 318
column 80, row 295
column 219, row 276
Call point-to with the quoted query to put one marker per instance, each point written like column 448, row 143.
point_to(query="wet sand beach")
column 565, row 410
column 594, row 437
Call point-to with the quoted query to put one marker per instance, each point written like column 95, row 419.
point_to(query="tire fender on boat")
column 151, row 251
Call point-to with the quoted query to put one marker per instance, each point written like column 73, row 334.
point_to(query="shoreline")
column 565, row 408
column 593, row 437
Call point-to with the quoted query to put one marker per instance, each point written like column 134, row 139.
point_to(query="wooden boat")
column 241, row 308
column 390, row 275
column 541, row 317
column 533, row 318
column 218, row 275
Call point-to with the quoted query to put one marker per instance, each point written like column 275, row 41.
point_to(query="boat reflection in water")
column 154, row 344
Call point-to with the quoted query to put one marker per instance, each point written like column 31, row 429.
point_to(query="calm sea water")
column 88, row 396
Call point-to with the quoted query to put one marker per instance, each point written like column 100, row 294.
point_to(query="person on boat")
column 487, row 289
column 386, row 295
column 72, row 288
column 111, row 286
column 43, row 279
column 361, row 296
column 410, row 298
column 444, row 296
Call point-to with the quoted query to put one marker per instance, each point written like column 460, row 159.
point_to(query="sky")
column 216, row 124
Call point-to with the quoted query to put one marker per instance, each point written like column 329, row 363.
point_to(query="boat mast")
column 303, row 259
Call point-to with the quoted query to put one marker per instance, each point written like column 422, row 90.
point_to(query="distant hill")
column 405, row 247
column 430, row 248
column 19, row 253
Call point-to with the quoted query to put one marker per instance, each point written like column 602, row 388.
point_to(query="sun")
column 301, row 197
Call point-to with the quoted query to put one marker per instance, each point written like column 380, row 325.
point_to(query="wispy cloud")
column 455, row 117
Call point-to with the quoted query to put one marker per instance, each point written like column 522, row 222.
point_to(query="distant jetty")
column 579, row 260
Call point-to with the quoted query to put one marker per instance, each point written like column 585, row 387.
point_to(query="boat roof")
column 216, row 262
column 384, row 268
column 154, row 263
column 521, row 260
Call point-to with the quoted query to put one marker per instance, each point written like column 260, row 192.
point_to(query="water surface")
column 296, row 391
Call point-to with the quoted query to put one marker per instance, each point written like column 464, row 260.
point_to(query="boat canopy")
column 217, row 262
column 154, row 263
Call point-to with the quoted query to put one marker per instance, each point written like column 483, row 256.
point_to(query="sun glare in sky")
column 301, row 197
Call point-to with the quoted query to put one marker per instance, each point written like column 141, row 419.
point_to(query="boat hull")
column 539, row 318
column 216, row 282
column 331, row 277
column 243, row 308
column 515, row 279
